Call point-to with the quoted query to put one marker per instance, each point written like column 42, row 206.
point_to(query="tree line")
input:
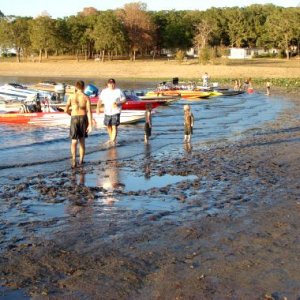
column 132, row 31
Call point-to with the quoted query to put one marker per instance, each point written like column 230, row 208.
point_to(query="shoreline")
column 243, row 244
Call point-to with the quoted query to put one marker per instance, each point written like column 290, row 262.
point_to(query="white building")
column 248, row 53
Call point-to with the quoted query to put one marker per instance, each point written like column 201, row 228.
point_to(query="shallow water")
column 28, row 150
column 41, row 154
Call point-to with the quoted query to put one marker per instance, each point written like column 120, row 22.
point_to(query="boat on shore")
column 132, row 103
column 53, row 87
column 20, row 92
column 58, row 118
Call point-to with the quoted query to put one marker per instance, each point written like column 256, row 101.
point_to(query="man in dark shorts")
column 112, row 99
column 79, row 108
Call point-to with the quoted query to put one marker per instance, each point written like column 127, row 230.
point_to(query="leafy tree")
column 139, row 26
column 236, row 28
column 177, row 32
column 77, row 29
column 109, row 34
column 19, row 29
column 42, row 35
column 283, row 27
column 62, row 36
column 4, row 33
column 14, row 34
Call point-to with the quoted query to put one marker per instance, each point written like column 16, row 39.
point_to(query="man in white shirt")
column 112, row 99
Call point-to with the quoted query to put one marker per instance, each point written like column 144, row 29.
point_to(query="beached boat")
column 63, row 119
column 20, row 92
column 132, row 103
column 182, row 93
column 52, row 87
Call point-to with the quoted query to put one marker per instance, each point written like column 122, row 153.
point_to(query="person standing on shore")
column 188, row 123
column 112, row 99
column 205, row 79
column 268, row 87
column 79, row 108
column 148, row 122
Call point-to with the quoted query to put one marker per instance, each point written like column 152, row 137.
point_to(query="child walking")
column 148, row 122
column 188, row 123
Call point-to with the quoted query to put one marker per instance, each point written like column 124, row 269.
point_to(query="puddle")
column 114, row 180
column 7, row 294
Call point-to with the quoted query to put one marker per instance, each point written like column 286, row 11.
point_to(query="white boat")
column 57, row 118
column 20, row 92
column 63, row 119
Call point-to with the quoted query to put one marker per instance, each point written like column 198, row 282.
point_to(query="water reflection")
column 109, row 179
column 187, row 147
column 78, row 177
column 147, row 161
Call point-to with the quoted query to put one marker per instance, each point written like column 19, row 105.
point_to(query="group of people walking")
column 79, row 108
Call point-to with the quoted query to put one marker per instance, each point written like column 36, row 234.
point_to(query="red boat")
column 63, row 119
column 133, row 102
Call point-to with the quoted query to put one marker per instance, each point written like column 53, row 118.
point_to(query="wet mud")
column 230, row 230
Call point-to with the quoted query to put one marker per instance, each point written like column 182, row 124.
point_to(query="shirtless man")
column 79, row 108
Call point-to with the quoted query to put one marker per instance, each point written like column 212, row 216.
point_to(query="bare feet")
column 74, row 164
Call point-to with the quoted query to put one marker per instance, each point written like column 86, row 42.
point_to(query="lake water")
column 29, row 150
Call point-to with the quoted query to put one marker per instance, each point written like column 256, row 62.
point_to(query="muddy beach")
column 227, row 230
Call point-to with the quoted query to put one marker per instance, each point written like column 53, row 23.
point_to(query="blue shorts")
column 113, row 120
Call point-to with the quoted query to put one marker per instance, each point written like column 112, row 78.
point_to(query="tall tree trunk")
column 77, row 55
column 287, row 50
column 40, row 56
column 103, row 55
column 18, row 55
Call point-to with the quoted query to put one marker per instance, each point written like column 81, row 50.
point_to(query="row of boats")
column 43, row 103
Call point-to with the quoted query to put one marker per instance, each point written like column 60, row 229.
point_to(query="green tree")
column 109, row 35
column 42, row 35
column 283, row 27
column 62, row 36
column 177, row 33
column 77, row 29
column 4, row 34
column 20, row 40
column 236, row 26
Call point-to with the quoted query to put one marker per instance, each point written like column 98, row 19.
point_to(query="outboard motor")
column 91, row 90
column 175, row 81
column 60, row 90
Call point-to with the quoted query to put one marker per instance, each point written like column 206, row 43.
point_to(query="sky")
column 64, row 8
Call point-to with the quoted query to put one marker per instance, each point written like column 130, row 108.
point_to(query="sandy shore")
column 162, row 69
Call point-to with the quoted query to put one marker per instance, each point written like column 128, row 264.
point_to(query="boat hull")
column 63, row 119
column 132, row 104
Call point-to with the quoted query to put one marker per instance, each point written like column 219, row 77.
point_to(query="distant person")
column 268, row 88
column 188, row 123
column 205, row 79
column 237, row 85
column 112, row 99
column 148, row 122
column 79, row 108
column 248, row 86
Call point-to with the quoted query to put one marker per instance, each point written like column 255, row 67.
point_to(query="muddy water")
column 124, row 196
